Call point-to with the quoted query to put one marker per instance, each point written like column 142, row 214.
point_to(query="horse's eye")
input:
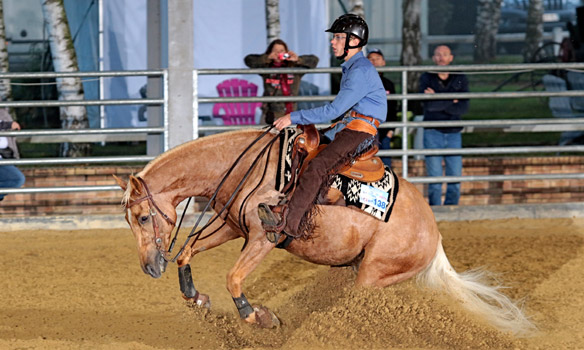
column 144, row 219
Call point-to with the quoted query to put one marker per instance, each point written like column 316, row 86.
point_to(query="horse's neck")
column 196, row 168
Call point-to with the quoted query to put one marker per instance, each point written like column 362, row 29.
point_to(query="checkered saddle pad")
column 374, row 198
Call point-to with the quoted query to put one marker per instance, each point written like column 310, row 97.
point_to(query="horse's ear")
column 121, row 183
column 135, row 184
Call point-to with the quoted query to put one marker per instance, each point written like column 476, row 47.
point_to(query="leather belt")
column 370, row 119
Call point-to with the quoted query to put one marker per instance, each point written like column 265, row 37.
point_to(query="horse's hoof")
column 201, row 300
column 265, row 318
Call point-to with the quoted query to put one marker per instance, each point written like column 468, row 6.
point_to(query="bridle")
column 153, row 209
column 197, row 234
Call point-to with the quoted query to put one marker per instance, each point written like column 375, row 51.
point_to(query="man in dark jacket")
column 443, row 137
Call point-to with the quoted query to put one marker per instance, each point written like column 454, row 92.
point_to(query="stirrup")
column 273, row 223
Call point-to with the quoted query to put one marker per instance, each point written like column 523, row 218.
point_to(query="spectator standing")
column 443, row 137
column 363, row 103
column 10, row 176
column 385, row 134
column 277, row 55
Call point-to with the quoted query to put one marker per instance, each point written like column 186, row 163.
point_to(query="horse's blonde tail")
column 476, row 296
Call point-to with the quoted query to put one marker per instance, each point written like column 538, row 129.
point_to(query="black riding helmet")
column 350, row 24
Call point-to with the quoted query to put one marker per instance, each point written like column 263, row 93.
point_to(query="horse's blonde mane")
column 127, row 194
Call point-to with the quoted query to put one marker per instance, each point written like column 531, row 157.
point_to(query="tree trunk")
column 411, row 41
column 487, row 26
column 534, row 31
column 273, row 19
column 5, row 88
column 357, row 7
column 65, row 60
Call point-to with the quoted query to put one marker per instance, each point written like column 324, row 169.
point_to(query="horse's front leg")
column 188, row 290
column 223, row 234
column 249, row 259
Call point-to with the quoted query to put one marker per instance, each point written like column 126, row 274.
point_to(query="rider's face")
column 338, row 43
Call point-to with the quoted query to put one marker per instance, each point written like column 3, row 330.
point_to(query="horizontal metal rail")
column 60, row 132
column 483, row 150
column 399, row 97
column 60, row 189
column 496, row 178
column 97, row 74
column 80, row 160
column 63, row 103
column 422, row 124
column 483, row 68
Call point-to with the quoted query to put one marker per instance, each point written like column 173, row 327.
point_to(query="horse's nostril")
column 152, row 271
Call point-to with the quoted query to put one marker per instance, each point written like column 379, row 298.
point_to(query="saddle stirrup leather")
column 272, row 224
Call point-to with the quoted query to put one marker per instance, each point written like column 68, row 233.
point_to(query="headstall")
column 153, row 209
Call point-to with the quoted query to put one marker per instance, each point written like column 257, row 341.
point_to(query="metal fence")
column 404, row 126
column 76, row 133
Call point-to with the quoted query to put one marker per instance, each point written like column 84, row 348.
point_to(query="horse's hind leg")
column 403, row 246
column 375, row 275
column 382, row 266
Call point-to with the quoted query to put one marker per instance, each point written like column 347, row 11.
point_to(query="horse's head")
column 151, row 217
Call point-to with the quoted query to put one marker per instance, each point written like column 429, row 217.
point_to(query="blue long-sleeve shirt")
column 361, row 91
column 444, row 109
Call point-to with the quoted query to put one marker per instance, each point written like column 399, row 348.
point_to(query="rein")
column 197, row 234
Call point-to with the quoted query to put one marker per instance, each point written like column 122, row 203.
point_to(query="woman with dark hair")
column 277, row 55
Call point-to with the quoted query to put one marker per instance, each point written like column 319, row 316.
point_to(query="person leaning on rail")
column 10, row 176
column 277, row 55
column 443, row 137
column 362, row 101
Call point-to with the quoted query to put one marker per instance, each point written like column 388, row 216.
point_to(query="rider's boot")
column 273, row 220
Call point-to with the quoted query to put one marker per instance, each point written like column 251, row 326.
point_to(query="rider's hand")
column 283, row 122
column 15, row 126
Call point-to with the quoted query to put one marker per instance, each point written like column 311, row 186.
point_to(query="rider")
column 361, row 99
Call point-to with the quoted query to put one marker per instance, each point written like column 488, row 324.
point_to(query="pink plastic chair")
column 236, row 113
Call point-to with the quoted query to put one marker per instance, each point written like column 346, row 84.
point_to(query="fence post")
column 405, row 120
column 180, row 68
column 154, row 86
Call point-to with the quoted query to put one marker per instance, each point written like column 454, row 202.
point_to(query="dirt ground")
column 85, row 290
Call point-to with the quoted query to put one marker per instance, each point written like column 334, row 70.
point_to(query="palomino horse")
column 384, row 253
